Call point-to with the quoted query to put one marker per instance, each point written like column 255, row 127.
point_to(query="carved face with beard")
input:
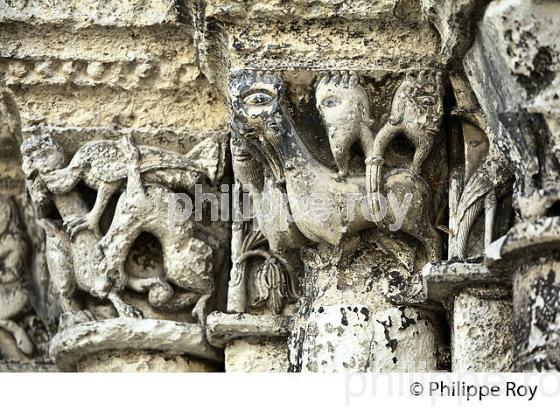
column 256, row 99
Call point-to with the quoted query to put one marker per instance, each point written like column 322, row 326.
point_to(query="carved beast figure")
column 101, row 166
column 417, row 113
column 100, row 271
column 262, row 123
column 344, row 107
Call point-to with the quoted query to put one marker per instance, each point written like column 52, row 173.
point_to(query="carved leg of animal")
column 116, row 243
column 22, row 340
column 199, row 310
column 123, row 308
column 134, row 182
column 374, row 163
column 113, row 249
column 373, row 183
column 61, row 265
column 490, row 202
column 423, row 147
column 91, row 219
column 128, row 221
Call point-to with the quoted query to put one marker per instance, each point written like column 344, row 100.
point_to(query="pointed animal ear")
column 397, row 108
column 398, row 103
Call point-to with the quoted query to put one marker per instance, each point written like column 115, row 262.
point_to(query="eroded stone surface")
column 482, row 331
column 253, row 356
column 76, row 343
column 142, row 362
column 125, row 102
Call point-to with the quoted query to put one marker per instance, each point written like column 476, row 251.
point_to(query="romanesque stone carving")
column 416, row 112
column 106, row 166
column 265, row 130
column 263, row 124
column 14, row 297
column 24, row 321
column 344, row 107
column 509, row 67
column 398, row 159
column 94, row 261
column 482, row 177
column 275, row 281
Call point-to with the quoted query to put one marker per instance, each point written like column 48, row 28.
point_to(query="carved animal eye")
column 259, row 97
column 427, row 100
column 330, row 102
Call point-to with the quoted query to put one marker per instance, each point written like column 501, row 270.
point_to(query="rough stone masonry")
column 279, row 185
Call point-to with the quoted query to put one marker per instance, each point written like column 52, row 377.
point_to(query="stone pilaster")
column 479, row 311
column 528, row 251
column 512, row 58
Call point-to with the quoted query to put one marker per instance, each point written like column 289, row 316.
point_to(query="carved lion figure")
column 417, row 113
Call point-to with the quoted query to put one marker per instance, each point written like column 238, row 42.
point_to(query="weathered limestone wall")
column 106, row 64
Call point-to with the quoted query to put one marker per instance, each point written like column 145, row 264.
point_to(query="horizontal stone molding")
column 125, row 75
column 224, row 327
column 444, row 279
column 83, row 13
column 524, row 240
column 75, row 343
